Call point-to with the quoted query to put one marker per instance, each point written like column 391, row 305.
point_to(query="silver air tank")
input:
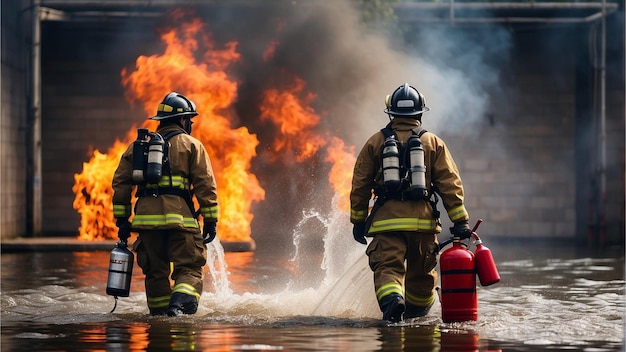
column 391, row 164
column 154, row 169
column 120, row 270
column 417, row 168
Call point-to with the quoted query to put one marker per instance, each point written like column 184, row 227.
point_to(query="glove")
column 358, row 231
column 461, row 229
column 123, row 231
column 209, row 231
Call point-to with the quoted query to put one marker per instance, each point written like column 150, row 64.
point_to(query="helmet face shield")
column 175, row 105
column 405, row 101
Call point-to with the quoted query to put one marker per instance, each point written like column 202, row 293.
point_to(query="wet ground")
column 551, row 297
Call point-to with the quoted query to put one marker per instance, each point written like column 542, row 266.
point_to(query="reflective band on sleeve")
column 209, row 212
column 358, row 215
column 458, row 213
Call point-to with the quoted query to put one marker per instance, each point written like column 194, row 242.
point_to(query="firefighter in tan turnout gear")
column 167, row 168
column 408, row 169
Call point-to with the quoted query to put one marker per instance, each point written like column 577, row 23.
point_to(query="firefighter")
column 164, row 214
column 404, row 224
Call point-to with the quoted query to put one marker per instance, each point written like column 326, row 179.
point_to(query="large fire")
column 231, row 148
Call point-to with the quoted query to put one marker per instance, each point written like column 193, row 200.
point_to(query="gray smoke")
column 351, row 70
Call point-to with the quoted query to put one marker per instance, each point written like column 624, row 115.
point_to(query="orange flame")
column 290, row 111
column 295, row 120
column 231, row 149
column 342, row 159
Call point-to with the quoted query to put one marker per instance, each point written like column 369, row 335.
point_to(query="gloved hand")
column 209, row 231
column 461, row 229
column 123, row 231
column 358, row 231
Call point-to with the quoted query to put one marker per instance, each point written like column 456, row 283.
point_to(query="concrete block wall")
column 519, row 170
column 518, row 165
column 85, row 110
column 517, row 175
column 13, row 123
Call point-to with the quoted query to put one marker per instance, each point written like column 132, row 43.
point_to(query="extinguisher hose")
column 114, row 306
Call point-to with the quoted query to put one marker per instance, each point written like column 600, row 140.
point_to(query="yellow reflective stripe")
column 403, row 224
column 164, row 219
column 458, row 213
column 186, row 289
column 165, row 108
column 387, row 289
column 176, row 182
column 358, row 215
column 121, row 210
column 420, row 301
column 209, row 212
column 158, row 302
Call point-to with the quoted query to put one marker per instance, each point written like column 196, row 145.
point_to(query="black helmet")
column 175, row 105
column 405, row 101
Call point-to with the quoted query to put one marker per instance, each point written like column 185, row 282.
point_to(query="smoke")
column 350, row 70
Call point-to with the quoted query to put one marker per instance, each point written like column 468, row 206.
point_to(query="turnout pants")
column 187, row 255
column 404, row 263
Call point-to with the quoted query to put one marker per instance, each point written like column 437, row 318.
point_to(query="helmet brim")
column 411, row 113
column 164, row 117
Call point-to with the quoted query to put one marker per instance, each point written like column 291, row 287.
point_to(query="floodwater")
column 316, row 298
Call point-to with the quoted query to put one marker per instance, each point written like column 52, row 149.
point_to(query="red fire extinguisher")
column 485, row 265
column 459, row 266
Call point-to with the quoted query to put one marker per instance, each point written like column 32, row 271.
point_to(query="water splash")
column 346, row 289
column 217, row 267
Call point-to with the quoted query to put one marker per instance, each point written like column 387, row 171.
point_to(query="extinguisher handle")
column 478, row 222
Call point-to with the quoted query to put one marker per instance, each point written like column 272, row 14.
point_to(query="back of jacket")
column 409, row 215
column 190, row 170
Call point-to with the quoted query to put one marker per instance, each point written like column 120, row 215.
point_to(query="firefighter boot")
column 181, row 303
column 416, row 311
column 158, row 311
column 392, row 307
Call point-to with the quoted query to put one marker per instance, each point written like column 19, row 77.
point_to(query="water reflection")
column 547, row 300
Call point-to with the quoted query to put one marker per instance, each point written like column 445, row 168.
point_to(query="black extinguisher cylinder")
column 140, row 153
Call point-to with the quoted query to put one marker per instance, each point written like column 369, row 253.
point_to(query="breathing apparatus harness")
column 404, row 173
column 150, row 161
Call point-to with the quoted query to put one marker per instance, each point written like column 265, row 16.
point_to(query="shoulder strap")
column 171, row 134
column 419, row 131
column 387, row 131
